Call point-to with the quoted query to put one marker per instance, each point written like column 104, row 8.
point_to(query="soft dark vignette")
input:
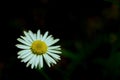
column 89, row 33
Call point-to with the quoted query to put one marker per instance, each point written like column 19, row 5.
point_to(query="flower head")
column 37, row 47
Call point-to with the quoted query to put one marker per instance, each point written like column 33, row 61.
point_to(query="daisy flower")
column 37, row 49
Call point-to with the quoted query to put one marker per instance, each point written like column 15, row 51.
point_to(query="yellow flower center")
column 39, row 47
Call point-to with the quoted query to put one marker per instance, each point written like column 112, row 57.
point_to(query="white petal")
column 49, row 60
column 54, row 51
column 22, row 46
column 49, row 37
column 27, row 58
column 28, row 36
column 31, row 35
column 40, row 61
column 35, row 36
column 31, row 61
column 55, row 56
column 57, row 49
column 53, row 47
column 45, row 36
column 24, row 56
column 46, row 60
column 41, row 36
column 22, row 41
column 38, row 35
column 53, row 42
column 22, row 52
column 36, row 61
column 32, row 65
column 49, row 41
column 24, row 38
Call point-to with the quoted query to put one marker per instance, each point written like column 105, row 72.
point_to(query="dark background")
column 89, row 33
